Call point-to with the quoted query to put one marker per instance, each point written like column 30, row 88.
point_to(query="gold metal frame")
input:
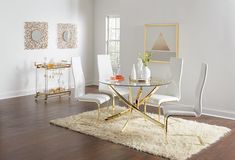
column 158, row 109
column 48, row 67
column 162, row 25
column 134, row 105
column 166, row 130
column 98, row 106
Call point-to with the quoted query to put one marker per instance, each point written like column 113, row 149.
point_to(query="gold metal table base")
column 118, row 114
column 135, row 106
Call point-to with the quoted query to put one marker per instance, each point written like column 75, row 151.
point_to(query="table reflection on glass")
column 150, row 86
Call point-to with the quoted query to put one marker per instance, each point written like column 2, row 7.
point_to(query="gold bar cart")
column 52, row 71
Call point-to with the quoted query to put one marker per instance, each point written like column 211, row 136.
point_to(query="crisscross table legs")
column 135, row 105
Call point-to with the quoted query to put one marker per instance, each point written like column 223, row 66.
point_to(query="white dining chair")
column 172, row 91
column 105, row 72
column 170, row 110
column 79, row 82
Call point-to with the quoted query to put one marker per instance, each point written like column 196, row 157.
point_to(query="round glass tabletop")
column 136, row 83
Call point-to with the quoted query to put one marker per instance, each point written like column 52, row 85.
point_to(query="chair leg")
column 159, row 112
column 108, row 106
column 166, row 124
column 145, row 108
column 98, row 116
column 113, row 106
column 166, row 128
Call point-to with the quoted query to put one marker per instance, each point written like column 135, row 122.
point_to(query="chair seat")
column 98, row 98
column 158, row 99
column 178, row 110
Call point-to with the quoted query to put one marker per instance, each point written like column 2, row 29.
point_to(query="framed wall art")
column 67, row 35
column 36, row 35
column 162, row 41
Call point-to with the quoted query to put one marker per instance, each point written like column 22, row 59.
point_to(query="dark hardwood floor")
column 25, row 134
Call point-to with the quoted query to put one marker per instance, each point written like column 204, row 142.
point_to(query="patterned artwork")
column 67, row 35
column 36, row 35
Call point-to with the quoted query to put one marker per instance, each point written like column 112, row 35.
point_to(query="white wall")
column 102, row 9
column 17, row 70
column 206, row 34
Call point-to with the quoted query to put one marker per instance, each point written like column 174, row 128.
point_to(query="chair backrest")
column 104, row 66
column 176, row 67
column 104, row 69
column 79, row 80
column 199, row 89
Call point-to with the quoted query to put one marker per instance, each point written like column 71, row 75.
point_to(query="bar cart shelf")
column 53, row 73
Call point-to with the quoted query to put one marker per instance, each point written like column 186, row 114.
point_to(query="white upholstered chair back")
column 104, row 69
column 79, row 79
column 176, row 68
column 199, row 89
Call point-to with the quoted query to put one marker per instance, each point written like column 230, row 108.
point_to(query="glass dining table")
column 148, row 87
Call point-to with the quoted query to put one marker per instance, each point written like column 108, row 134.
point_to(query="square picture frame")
column 36, row 35
column 162, row 41
column 66, row 36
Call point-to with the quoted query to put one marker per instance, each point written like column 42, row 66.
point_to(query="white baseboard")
column 19, row 93
column 219, row 113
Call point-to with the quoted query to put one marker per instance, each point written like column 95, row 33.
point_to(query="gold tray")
column 139, row 80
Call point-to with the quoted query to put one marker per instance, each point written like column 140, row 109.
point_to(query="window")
column 113, row 40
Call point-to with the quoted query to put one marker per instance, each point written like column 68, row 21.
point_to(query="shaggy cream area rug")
column 143, row 135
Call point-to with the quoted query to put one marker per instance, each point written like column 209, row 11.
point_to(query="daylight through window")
column 113, row 40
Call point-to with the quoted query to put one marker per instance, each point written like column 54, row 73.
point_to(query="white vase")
column 146, row 73
column 133, row 72
column 139, row 68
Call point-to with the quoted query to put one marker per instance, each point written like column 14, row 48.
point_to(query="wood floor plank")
column 25, row 134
